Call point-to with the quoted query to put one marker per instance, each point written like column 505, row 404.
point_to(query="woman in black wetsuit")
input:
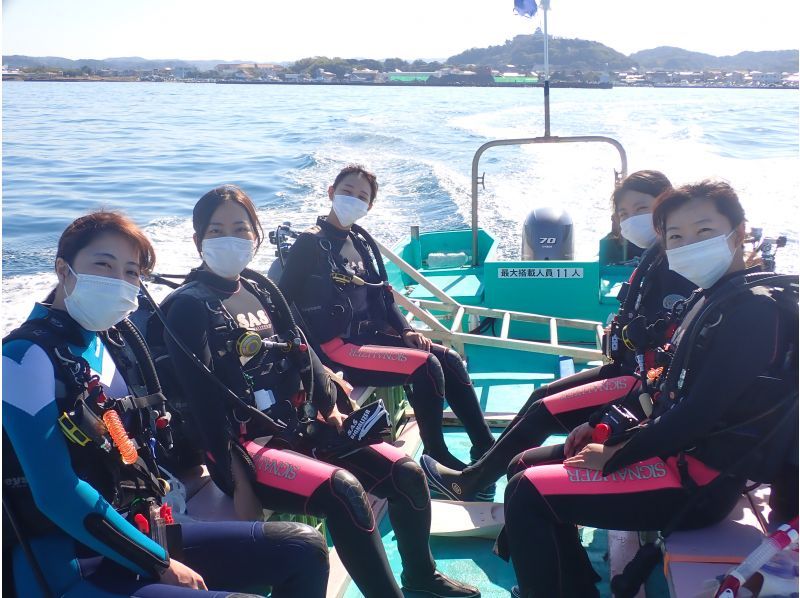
column 560, row 406
column 78, row 380
column 360, row 330
column 218, row 302
column 713, row 407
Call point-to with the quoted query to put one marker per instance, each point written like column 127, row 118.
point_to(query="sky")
column 273, row 30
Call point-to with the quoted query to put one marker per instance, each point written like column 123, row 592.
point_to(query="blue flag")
column 525, row 8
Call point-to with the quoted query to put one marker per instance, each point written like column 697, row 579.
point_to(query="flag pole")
column 545, row 8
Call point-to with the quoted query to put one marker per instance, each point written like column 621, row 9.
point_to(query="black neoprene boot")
column 470, row 484
column 439, row 585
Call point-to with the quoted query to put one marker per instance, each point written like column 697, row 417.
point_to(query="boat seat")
column 727, row 542
column 204, row 500
column 692, row 557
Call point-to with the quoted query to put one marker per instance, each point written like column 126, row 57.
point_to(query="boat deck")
column 471, row 559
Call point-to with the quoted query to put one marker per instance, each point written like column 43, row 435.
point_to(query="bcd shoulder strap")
column 702, row 327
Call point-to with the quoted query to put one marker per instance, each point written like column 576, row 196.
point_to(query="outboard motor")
column 547, row 235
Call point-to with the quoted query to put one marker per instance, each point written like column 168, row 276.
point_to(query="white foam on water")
column 20, row 292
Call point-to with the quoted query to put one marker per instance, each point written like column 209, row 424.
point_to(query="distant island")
column 518, row 62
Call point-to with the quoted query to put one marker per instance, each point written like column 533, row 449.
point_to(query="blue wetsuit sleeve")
column 30, row 415
column 740, row 350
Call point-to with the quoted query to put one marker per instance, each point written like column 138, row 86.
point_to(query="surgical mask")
column 227, row 256
column 639, row 230
column 704, row 262
column 349, row 209
column 99, row 302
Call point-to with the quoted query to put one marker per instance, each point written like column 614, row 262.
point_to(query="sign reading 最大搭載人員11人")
column 540, row 273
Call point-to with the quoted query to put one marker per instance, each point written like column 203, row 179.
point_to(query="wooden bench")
column 693, row 557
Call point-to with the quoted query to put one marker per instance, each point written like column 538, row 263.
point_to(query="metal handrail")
column 618, row 175
column 453, row 336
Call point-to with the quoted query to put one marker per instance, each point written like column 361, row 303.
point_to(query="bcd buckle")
column 72, row 431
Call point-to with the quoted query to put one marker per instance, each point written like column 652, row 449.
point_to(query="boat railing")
column 455, row 337
column 547, row 138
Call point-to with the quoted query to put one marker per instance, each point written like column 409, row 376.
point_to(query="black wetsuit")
column 368, row 346
column 287, row 480
column 560, row 406
column 641, row 486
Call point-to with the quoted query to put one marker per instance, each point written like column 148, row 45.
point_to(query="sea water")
column 152, row 149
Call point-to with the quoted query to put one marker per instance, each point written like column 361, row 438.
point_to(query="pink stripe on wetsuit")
column 286, row 470
column 296, row 473
column 375, row 357
column 644, row 476
column 593, row 394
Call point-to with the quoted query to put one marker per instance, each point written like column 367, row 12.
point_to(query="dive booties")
column 449, row 484
column 439, row 585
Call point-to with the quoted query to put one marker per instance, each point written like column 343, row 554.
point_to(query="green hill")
column 134, row 62
column 670, row 58
column 527, row 52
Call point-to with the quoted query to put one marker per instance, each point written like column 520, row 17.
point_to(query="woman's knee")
column 431, row 373
column 303, row 563
column 306, row 540
column 344, row 492
column 454, row 365
column 540, row 455
column 516, row 465
column 409, row 479
column 514, row 494
column 312, row 549
column 522, row 499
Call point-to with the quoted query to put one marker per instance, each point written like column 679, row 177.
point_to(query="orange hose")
column 120, row 437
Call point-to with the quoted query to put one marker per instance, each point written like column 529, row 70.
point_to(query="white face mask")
column 349, row 209
column 703, row 262
column 99, row 302
column 227, row 256
column 639, row 230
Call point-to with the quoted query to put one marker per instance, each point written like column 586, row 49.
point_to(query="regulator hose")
column 229, row 395
column 283, row 306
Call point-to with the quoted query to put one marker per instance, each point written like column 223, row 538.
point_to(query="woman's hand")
column 593, row 456
column 336, row 418
column 577, row 439
column 415, row 340
column 178, row 574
